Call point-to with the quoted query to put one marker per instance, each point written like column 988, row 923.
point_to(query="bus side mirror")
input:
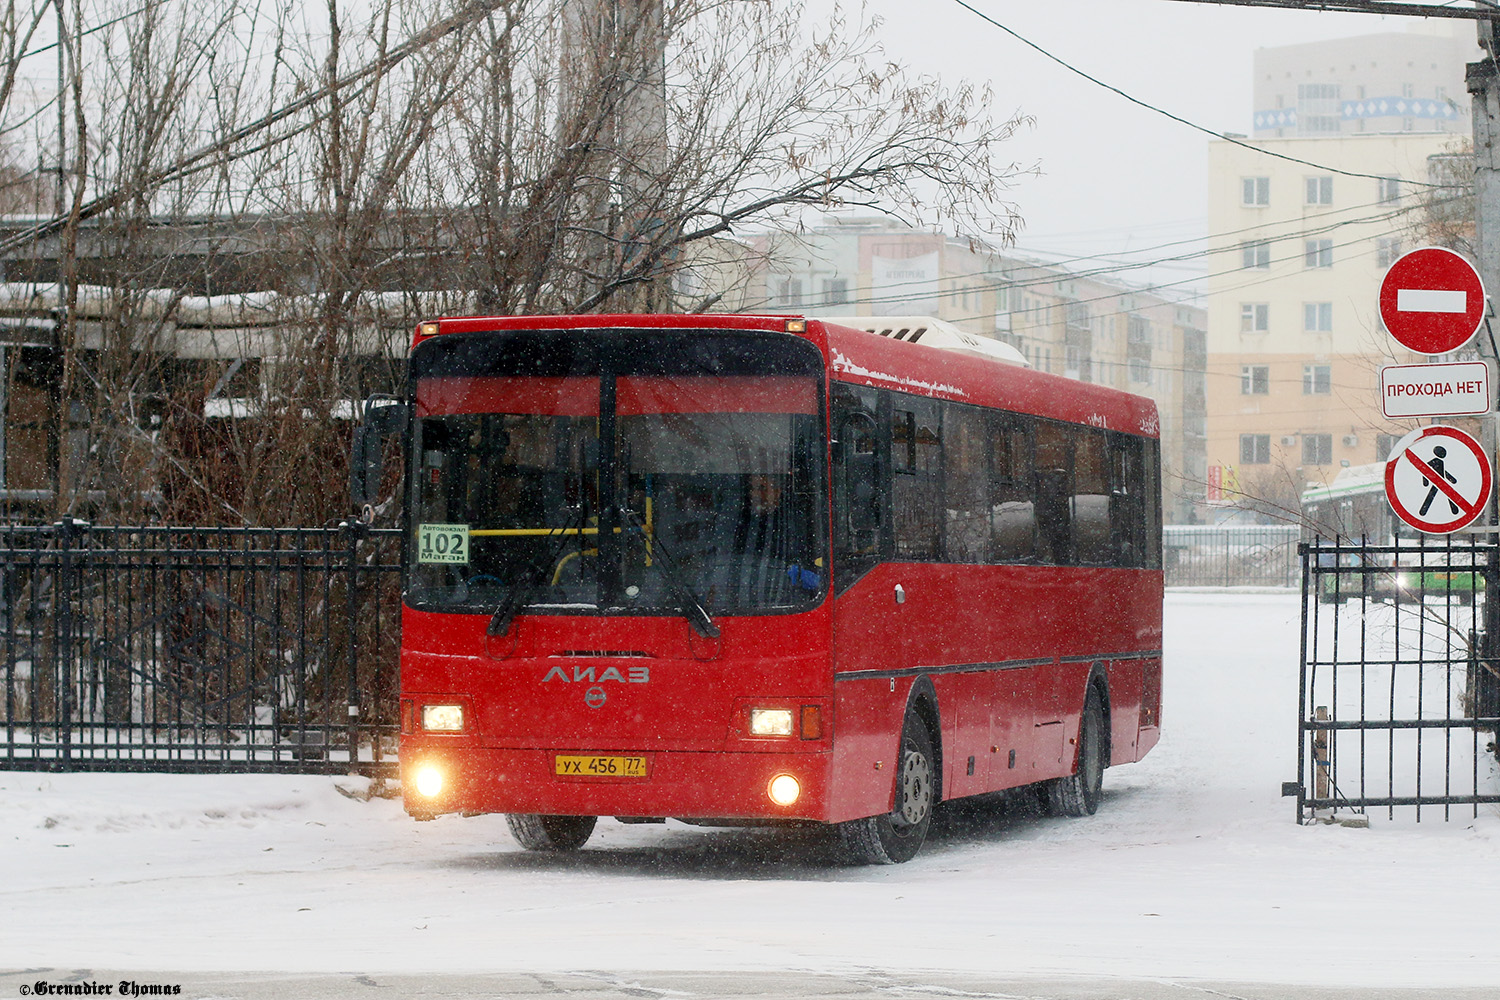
column 385, row 417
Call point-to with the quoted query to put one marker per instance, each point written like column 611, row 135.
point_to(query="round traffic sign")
column 1438, row 479
column 1432, row 301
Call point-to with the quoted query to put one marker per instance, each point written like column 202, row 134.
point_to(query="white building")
column 1410, row 81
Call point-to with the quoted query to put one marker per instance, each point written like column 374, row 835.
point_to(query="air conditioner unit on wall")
column 1351, row 440
column 1287, row 440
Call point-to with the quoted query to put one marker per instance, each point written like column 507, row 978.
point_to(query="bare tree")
column 373, row 165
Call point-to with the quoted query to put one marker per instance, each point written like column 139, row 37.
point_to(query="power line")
column 1394, row 7
column 1178, row 118
column 1102, row 273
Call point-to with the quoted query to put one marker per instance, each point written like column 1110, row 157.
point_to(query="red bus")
column 739, row 569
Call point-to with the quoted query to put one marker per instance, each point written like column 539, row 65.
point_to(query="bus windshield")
column 619, row 472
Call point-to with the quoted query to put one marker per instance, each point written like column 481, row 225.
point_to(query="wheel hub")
column 916, row 789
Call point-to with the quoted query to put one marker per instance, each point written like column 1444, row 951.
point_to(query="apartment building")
column 1409, row 81
column 1349, row 137
column 1085, row 327
column 1295, row 342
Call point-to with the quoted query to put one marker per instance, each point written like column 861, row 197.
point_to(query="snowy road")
column 1193, row 873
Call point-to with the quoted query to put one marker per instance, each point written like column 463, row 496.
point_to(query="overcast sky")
column 1115, row 177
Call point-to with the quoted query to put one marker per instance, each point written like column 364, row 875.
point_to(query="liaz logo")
column 593, row 675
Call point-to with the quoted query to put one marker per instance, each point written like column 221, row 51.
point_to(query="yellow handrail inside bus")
column 492, row 532
column 557, row 572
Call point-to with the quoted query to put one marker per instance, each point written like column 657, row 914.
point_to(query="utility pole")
column 56, row 391
column 1483, row 79
column 614, row 52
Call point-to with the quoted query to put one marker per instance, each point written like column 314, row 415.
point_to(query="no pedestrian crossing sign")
column 1438, row 479
column 1432, row 301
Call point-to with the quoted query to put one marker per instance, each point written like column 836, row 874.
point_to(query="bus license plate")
column 597, row 766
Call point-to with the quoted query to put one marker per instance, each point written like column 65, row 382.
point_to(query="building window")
column 1255, row 190
column 1255, row 317
column 1255, row 449
column 1383, row 445
column 1255, row 380
column 1140, row 370
column 1387, row 251
column 1317, row 449
column 1390, row 190
column 1320, row 190
column 1138, row 329
column 1317, row 380
column 786, row 292
column 1318, row 253
column 1317, row 317
column 1255, row 255
column 835, row 291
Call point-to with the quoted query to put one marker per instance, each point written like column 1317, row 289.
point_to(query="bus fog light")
column 429, row 781
column 770, row 722
column 784, row 789
column 443, row 718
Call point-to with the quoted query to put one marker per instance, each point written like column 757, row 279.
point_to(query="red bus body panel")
column 1009, row 651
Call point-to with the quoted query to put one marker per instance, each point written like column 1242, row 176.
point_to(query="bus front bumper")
column 668, row 784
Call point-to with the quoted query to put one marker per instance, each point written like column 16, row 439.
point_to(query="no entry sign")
column 1432, row 301
column 1438, row 479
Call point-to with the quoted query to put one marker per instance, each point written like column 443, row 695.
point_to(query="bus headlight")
column 784, row 789
column 770, row 722
column 443, row 718
column 429, row 781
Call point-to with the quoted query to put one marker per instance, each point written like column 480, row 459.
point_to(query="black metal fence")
column 1232, row 555
column 199, row 649
column 1400, row 681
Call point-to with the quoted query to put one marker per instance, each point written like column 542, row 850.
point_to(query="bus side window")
column 916, row 480
column 1127, row 484
column 1089, row 506
column 1012, row 500
column 1054, row 491
column 965, row 484
column 859, row 501
column 1151, row 501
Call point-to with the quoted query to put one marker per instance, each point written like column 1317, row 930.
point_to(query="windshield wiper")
column 692, row 608
column 520, row 594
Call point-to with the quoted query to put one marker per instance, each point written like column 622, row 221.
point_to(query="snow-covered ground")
column 1193, row 869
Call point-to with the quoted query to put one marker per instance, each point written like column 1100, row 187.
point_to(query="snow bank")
column 1193, row 869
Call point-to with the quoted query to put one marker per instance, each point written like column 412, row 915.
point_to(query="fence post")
column 354, row 529
column 1321, row 757
column 63, row 610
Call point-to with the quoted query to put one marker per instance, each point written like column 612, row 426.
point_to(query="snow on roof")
column 1354, row 479
column 932, row 332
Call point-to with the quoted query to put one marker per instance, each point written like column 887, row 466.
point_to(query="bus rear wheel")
column 897, row 836
column 550, row 833
column 1079, row 793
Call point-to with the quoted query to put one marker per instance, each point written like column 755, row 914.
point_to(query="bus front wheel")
column 896, row 836
column 1079, row 793
column 550, row 833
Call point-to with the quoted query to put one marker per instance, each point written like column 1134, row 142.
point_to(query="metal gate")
column 1399, row 692
column 199, row 649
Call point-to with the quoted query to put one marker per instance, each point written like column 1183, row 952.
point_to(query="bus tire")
column 897, row 836
column 1078, row 794
column 550, row 833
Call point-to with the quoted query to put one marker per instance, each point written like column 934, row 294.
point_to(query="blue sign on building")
column 1399, row 107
